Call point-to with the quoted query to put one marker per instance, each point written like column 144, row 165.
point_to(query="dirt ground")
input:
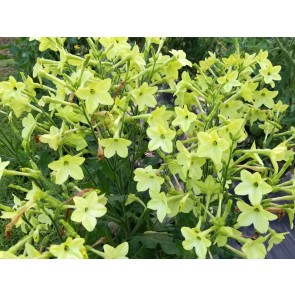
column 6, row 60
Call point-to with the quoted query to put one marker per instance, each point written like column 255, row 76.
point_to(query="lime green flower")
column 208, row 62
column 67, row 166
column 195, row 239
column 115, row 46
column 179, row 203
column 270, row 73
column 255, row 249
column 247, row 90
column 189, row 162
column 50, row 43
column 12, row 96
column 159, row 202
column 277, row 154
column 29, row 124
column 143, row 96
column 181, row 57
column 2, row 166
column 136, row 58
column 70, row 114
column 256, row 215
column 70, row 249
column 35, row 194
column 232, row 60
column 253, row 186
column 88, row 209
column 223, row 233
column 264, row 97
column 115, row 145
column 147, row 178
column 53, row 138
column 209, row 186
column 257, row 114
column 261, row 58
column 120, row 252
column 11, row 89
column 280, row 107
column 75, row 139
column 160, row 116
column 211, row 146
column 203, row 81
column 229, row 80
column 96, row 93
column 232, row 109
column 184, row 118
column 275, row 239
column 161, row 137
column 171, row 70
column 235, row 130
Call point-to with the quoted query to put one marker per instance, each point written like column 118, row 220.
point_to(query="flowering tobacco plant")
column 113, row 173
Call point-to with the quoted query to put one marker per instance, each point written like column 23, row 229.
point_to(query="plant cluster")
column 112, row 173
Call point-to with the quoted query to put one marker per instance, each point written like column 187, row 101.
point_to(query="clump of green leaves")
column 127, row 177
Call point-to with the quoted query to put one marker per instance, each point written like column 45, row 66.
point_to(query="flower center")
column 162, row 136
column 14, row 88
column 257, row 210
column 92, row 91
column 255, row 184
column 152, row 177
column 214, row 142
column 66, row 248
column 86, row 209
column 66, row 163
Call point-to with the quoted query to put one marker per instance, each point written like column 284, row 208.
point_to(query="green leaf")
column 151, row 240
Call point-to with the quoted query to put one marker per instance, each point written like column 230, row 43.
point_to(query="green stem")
column 140, row 221
column 99, row 253
column 239, row 253
column 284, row 198
column 17, row 173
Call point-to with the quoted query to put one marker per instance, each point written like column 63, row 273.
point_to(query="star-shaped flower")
column 53, row 138
column 96, row 93
column 159, row 202
column 119, row 252
column 229, row 80
column 255, row 249
column 184, row 118
column 67, row 166
column 264, row 97
column 88, row 209
column 255, row 215
column 115, row 145
column 253, row 186
column 211, row 146
column 195, row 239
column 143, row 96
column 161, row 137
column 270, row 73
column 147, row 178
column 70, row 249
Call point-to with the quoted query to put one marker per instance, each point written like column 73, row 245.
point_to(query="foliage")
column 110, row 172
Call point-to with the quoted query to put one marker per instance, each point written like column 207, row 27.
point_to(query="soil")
column 6, row 61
